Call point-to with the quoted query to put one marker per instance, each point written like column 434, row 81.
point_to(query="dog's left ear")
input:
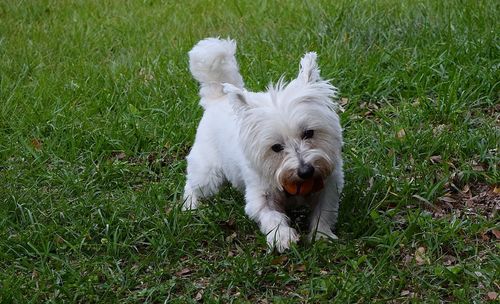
column 309, row 71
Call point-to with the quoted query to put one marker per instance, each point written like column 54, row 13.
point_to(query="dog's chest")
column 298, row 202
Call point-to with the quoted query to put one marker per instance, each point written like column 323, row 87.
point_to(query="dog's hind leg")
column 200, row 185
column 203, row 179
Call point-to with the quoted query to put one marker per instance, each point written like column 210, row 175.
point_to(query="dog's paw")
column 190, row 203
column 325, row 234
column 282, row 238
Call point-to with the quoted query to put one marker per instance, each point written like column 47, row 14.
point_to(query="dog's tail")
column 212, row 63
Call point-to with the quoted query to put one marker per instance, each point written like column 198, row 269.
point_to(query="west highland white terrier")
column 281, row 147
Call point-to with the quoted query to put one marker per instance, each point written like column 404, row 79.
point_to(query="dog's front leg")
column 325, row 212
column 262, row 208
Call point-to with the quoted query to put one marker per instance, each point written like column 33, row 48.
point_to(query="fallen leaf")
column 299, row 268
column 231, row 237
column 484, row 236
column 492, row 296
column 146, row 74
column 466, row 188
column 420, row 257
column 469, row 203
column 496, row 190
column 449, row 260
column 407, row 259
column 199, row 295
column 279, row 260
column 496, row 233
column 344, row 101
column 478, row 168
column 121, row 156
column 202, row 283
column 36, row 143
column 438, row 129
column 229, row 225
column 370, row 183
column 401, row 134
column 184, row 272
column 436, row 159
column 118, row 155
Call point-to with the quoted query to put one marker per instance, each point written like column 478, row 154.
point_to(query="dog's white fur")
column 238, row 128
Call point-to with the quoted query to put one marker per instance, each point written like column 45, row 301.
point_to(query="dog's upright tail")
column 212, row 63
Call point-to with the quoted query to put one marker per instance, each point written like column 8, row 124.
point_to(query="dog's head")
column 291, row 134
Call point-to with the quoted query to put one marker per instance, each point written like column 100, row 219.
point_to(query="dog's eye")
column 308, row 134
column 277, row 148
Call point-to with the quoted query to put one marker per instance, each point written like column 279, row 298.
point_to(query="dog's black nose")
column 305, row 171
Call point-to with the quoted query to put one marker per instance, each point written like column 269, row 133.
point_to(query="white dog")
column 281, row 147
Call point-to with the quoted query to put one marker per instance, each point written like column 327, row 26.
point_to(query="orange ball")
column 303, row 188
column 306, row 187
column 290, row 188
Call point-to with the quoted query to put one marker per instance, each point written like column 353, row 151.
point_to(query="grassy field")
column 98, row 111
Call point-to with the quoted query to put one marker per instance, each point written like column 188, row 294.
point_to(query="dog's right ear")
column 236, row 94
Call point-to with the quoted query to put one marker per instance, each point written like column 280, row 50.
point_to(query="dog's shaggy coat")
column 264, row 142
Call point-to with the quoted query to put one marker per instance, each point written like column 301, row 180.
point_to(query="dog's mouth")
column 303, row 187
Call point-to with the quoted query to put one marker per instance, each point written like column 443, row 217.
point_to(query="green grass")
column 98, row 110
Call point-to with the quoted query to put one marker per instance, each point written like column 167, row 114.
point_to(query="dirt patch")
column 476, row 199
